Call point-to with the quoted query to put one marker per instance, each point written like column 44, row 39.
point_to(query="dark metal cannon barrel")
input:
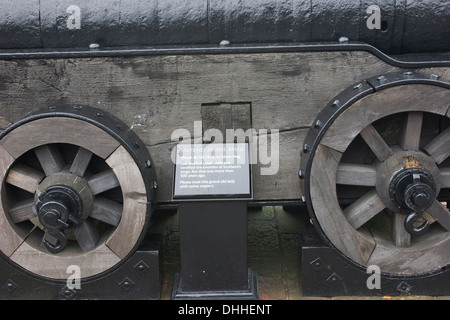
column 405, row 27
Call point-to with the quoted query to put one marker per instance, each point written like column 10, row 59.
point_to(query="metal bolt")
column 357, row 87
column 318, row 124
column 301, row 174
column 94, row 46
column 434, row 77
column 343, row 40
column 407, row 73
column 148, row 163
column 155, row 185
column 305, row 148
column 381, row 78
column 224, row 43
column 335, row 103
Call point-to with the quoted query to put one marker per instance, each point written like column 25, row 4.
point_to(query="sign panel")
column 208, row 171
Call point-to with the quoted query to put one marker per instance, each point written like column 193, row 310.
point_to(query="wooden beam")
column 411, row 131
column 50, row 159
column 81, row 161
column 24, row 177
column 103, row 181
column 356, row 174
column 364, row 209
column 376, row 142
column 401, row 237
column 439, row 147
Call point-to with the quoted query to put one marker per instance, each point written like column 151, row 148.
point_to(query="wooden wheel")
column 376, row 174
column 75, row 191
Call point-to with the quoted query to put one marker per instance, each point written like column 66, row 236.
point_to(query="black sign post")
column 212, row 184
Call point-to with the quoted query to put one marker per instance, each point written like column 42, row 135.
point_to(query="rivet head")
column 357, row 87
column 94, row 46
column 305, row 148
column 335, row 103
column 224, row 43
column 343, row 40
column 317, row 124
column 434, row 77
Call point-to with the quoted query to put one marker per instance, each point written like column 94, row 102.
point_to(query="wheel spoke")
column 445, row 177
column 439, row 147
column 81, row 161
column 364, row 209
column 440, row 213
column 401, row 237
column 87, row 236
column 356, row 174
column 412, row 129
column 24, row 177
column 22, row 211
column 103, row 181
column 50, row 159
column 107, row 211
column 376, row 142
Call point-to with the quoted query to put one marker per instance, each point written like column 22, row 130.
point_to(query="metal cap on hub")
column 58, row 208
column 412, row 190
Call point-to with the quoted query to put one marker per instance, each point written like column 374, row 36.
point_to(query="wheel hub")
column 58, row 208
column 412, row 190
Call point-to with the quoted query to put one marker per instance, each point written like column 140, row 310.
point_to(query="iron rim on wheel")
column 76, row 189
column 375, row 174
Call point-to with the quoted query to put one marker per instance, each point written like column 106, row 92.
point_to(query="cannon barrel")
column 405, row 27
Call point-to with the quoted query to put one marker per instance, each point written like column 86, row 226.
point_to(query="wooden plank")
column 81, row 161
column 22, row 211
column 356, row 174
column 439, row 147
column 24, row 177
column 364, row 209
column 355, row 245
column 63, row 130
column 445, row 177
column 103, row 181
column 50, row 159
column 376, row 143
column 440, row 213
column 11, row 238
column 412, row 128
column 402, row 238
column 107, row 211
column 134, row 212
column 87, row 236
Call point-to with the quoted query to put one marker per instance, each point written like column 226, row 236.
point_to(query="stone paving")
column 273, row 252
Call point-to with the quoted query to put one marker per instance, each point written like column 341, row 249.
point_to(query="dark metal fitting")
column 412, row 190
column 411, row 221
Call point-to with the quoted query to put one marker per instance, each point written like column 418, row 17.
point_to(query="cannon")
column 352, row 96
